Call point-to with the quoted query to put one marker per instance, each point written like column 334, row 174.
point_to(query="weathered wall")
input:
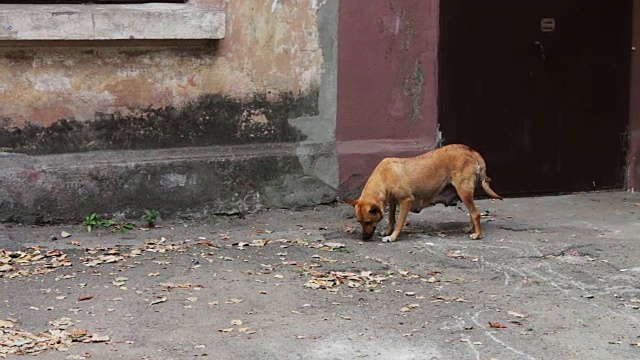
column 270, row 59
column 633, row 159
column 387, row 84
column 271, row 80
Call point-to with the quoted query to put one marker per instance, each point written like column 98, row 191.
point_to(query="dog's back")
column 426, row 176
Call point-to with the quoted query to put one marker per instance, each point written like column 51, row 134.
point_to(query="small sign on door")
column 547, row 24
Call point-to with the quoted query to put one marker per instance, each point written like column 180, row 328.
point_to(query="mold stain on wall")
column 211, row 119
column 413, row 87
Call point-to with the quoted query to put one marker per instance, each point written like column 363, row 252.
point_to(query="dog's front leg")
column 405, row 205
column 392, row 219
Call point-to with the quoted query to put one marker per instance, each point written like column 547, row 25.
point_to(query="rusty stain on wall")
column 266, row 55
column 413, row 87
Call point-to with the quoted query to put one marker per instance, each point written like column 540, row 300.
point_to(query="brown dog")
column 438, row 176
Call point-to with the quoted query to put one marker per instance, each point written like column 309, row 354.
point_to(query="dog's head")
column 368, row 214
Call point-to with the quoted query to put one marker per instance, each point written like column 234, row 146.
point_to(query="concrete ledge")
column 111, row 22
column 204, row 180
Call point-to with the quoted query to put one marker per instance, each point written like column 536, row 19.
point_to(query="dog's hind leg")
column 467, row 198
column 405, row 205
column 392, row 219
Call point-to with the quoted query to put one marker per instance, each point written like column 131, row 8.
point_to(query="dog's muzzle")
column 367, row 236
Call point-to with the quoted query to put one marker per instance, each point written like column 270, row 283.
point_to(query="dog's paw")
column 387, row 239
column 475, row 237
column 385, row 232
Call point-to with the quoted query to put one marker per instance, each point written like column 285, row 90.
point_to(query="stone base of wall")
column 229, row 179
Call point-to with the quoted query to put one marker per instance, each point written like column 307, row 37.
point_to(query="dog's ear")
column 353, row 202
column 375, row 210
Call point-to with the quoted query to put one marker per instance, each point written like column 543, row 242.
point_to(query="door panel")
column 546, row 105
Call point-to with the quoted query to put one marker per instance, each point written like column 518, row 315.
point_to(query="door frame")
column 633, row 155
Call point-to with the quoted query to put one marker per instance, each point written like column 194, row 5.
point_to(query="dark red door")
column 540, row 88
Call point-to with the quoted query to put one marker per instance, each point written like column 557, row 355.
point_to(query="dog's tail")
column 483, row 178
column 488, row 190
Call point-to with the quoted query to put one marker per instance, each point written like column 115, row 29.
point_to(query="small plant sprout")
column 150, row 217
column 94, row 221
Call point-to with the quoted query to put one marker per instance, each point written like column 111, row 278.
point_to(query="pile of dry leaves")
column 331, row 279
column 59, row 337
column 32, row 262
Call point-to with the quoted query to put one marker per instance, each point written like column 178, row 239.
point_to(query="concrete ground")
column 553, row 278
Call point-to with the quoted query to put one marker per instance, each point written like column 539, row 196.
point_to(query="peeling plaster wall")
column 268, row 49
column 224, row 126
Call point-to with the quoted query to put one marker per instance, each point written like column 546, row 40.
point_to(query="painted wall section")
column 387, row 84
column 633, row 159
column 271, row 48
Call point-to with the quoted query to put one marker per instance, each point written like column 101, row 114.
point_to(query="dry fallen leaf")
column 206, row 243
column 86, row 297
column 5, row 324
column 158, row 300
column 409, row 307
column 234, row 301
column 78, row 332
column 181, row 286
column 62, row 323
column 98, row 338
column 236, row 322
column 516, row 314
column 259, row 243
column 455, row 254
column 5, row 268
column 227, row 330
column 65, row 234
column 497, row 325
column 333, row 245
